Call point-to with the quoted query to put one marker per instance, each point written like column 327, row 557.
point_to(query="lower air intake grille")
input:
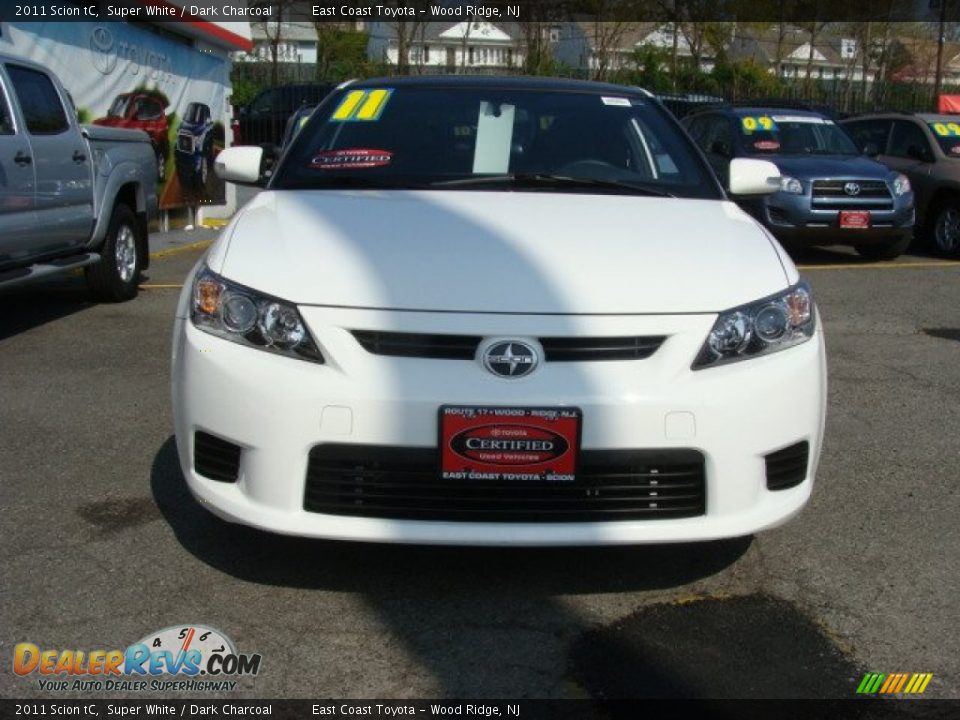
column 215, row 458
column 464, row 347
column 404, row 483
column 788, row 467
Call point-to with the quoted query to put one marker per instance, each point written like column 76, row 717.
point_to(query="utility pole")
column 938, row 77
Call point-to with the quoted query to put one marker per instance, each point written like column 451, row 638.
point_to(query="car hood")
column 806, row 167
column 516, row 252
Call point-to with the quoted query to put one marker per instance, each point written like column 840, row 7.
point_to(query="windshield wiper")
column 548, row 180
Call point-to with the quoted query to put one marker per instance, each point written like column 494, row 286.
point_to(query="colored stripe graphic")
column 371, row 109
column 362, row 106
column 348, row 105
column 894, row 683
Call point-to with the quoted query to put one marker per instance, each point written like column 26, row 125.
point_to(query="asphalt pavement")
column 104, row 545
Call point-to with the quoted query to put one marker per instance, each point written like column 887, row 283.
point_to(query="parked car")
column 926, row 148
column 73, row 197
column 497, row 311
column 830, row 194
column 264, row 120
column 142, row 111
column 193, row 154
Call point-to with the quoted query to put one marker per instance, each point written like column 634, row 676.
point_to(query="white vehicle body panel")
column 528, row 252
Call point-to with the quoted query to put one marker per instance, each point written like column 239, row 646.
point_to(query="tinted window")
column 415, row 136
column 196, row 113
column 6, row 121
column 264, row 101
column 40, row 104
column 869, row 132
column 718, row 139
column 908, row 141
column 149, row 110
column 946, row 131
column 118, row 108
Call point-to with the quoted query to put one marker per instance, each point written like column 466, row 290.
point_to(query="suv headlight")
column 759, row 328
column 245, row 316
column 791, row 185
column 901, row 185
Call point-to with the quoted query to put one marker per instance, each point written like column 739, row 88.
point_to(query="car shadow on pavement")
column 469, row 622
column 41, row 302
column 270, row 559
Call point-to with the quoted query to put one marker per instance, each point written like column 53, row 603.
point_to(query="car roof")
column 523, row 82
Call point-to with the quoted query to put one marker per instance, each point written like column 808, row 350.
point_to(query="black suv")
column 263, row 121
column 829, row 193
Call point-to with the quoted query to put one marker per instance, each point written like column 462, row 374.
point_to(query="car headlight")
column 901, row 185
column 237, row 313
column 791, row 185
column 759, row 328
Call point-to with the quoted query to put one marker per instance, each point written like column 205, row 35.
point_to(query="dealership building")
column 171, row 80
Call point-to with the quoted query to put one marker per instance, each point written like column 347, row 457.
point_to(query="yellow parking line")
column 882, row 265
column 167, row 252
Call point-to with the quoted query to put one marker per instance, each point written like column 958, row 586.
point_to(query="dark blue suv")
column 829, row 194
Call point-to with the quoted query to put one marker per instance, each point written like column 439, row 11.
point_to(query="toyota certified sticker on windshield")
column 351, row 159
column 766, row 145
column 509, row 444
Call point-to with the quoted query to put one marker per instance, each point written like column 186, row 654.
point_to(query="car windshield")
column 947, row 133
column 779, row 134
column 195, row 113
column 119, row 106
column 486, row 138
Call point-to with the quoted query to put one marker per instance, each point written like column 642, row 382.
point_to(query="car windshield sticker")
column 758, row 123
column 946, row 129
column 616, row 101
column 351, row 159
column 767, row 145
column 362, row 105
column 810, row 119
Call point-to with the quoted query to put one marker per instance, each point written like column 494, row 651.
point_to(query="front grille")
column 464, row 347
column 215, row 458
column 830, row 195
column 185, row 143
column 788, row 467
column 405, row 483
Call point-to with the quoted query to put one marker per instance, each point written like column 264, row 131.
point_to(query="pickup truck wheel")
column 946, row 229
column 116, row 276
column 884, row 251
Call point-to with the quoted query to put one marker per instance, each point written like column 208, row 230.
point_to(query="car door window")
column 908, row 141
column 149, row 110
column 6, row 119
column 870, row 132
column 695, row 128
column 718, row 139
column 40, row 103
column 263, row 103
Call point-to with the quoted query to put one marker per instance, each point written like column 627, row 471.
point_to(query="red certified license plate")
column 495, row 443
column 855, row 219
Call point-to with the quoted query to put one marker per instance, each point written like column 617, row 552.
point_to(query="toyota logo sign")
column 851, row 188
column 510, row 358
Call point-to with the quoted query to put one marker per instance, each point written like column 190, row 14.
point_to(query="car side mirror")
column 871, row 149
column 719, row 147
column 243, row 165
column 753, row 177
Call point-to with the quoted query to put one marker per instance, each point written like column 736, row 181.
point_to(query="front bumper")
column 796, row 219
column 277, row 409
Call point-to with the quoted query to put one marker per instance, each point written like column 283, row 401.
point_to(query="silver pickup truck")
column 70, row 196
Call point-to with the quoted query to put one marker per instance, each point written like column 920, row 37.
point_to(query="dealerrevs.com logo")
column 178, row 658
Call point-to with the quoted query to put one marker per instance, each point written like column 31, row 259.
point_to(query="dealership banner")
column 126, row 76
